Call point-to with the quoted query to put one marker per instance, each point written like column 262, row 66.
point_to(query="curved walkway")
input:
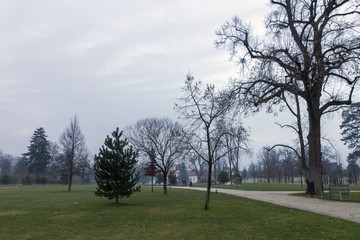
column 345, row 210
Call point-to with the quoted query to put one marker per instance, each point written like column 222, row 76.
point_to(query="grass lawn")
column 50, row 212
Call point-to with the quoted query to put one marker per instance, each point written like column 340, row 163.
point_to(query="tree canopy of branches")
column 162, row 135
column 114, row 168
column 236, row 143
column 73, row 148
column 201, row 109
column 312, row 51
column 38, row 155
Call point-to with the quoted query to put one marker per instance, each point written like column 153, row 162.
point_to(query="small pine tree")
column 5, row 179
column 223, row 177
column 114, row 168
column 172, row 178
column 183, row 175
column 159, row 179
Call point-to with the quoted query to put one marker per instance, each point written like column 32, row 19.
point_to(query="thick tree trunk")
column 314, row 142
column 117, row 199
column 207, row 201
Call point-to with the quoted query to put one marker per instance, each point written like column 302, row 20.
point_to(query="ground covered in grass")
column 50, row 212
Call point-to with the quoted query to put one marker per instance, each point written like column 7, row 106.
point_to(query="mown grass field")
column 50, row 212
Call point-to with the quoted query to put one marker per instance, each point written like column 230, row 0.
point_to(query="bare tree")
column 201, row 110
column 269, row 160
column 197, row 165
column 164, row 136
column 73, row 148
column 236, row 143
column 83, row 166
column 312, row 51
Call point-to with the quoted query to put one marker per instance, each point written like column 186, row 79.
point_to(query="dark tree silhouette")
column 73, row 148
column 114, row 168
column 311, row 51
column 38, row 155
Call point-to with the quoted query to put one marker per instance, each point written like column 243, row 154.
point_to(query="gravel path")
column 345, row 210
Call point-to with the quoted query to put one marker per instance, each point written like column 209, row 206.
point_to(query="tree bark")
column 70, row 175
column 314, row 141
column 152, row 183
column 207, row 201
column 165, row 184
column 117, row 199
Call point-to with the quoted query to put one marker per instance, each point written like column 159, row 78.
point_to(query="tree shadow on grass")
column 113, row 204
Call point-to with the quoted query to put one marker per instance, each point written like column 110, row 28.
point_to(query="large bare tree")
column 162, row 135
column 201, row 109
column 311, row 50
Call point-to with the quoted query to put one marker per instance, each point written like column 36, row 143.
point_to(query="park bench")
column 338, row 190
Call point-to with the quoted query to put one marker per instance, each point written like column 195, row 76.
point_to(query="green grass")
column 50, row 212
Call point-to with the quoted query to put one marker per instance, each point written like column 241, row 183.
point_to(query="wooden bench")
column 338, row 190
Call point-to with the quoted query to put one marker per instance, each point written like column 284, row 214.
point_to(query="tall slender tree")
column 201, row 109
column 38, row 155
column 73, row 148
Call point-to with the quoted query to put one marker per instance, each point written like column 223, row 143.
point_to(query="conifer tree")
column 38, row 155
column 114, row 168
column 351, row 130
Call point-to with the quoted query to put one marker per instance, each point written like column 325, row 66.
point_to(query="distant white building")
column 192, row 176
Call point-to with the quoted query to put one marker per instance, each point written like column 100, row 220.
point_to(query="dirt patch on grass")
column 11, row 213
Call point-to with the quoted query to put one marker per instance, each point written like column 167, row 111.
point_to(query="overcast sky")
column 112, row 62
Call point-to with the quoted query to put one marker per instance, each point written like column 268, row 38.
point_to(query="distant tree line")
column 48, row 162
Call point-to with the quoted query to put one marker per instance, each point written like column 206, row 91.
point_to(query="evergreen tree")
column 223, row 177
column 114, row 168
column 172, row 178
column 159, row 178
column 183, row 175
column 351, row 130
column 351, row 136
column 38, row 155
